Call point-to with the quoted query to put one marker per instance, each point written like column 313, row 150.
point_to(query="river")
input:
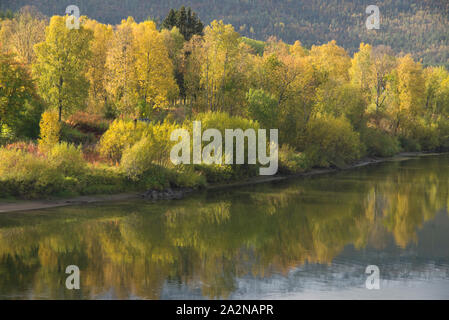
column 305, row 238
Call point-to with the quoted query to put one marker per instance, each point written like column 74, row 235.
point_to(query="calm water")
column 307, row 238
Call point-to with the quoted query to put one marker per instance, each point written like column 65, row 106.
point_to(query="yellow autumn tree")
column 331, row 59
column 221, row 56
column 408, row 91
column 121, row 74
column 154, row 69
column 96, row 72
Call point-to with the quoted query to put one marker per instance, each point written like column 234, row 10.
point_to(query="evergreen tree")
column 170, row 21
column 185, row 20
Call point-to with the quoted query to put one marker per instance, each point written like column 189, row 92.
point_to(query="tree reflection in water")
column 207, row 241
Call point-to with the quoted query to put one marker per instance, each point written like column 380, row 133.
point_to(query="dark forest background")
column 416, row 26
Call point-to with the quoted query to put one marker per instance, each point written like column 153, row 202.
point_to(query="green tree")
column 60, row 67
column 17, row 93
column 185, row 20
column 263, row 108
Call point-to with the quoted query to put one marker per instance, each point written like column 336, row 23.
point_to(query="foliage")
column 153, row 149
column 417, row 136
column 422, row 21
column 61, row 65
column 263, row 108
column 331, row 106
column 67, row 159
column 379, row 143
column 443, row 134
column 185, row 20
column 6, row 135
column 50, row 129
column 120, row 135
column 22, row 32
column 87, row 122
column 75, row 136
column 331, row 141
column 19, row 105
column 222, row 121
column 27, row 175
column 292, row 162
column 139, row 73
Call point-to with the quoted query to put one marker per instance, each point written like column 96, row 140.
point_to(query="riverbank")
column 25, row 205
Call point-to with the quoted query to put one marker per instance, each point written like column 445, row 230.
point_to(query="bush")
column 104, row 180
column 331, row 141
column 50, row 129
column 120, row 135
column 409, row 144
column 291, row 161
column 222, row 121
column 420, row 136
column 26, row 175
column 137, row 159
column 153, row 149
column 379, row 143
column 427, row 137
column 67, row 159
column 32, row 175
column 186, row 176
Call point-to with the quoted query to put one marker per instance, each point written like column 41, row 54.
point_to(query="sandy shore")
column 24, row 205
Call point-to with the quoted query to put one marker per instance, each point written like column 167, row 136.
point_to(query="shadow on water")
column 308, row 238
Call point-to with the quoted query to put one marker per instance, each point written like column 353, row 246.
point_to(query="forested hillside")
column 416, row 26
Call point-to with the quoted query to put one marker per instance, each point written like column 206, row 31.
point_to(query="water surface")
column 301, row 239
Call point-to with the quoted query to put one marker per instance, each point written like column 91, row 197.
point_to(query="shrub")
column 67, row 159
column 427, row 136
column 104, row 180
column 291, row 161
column 379, row 143
column 137, row 159
column 420, row 136
column 50, row 129
column 409, row 144
column 331, row 141
column 153, row 149
column 222, row 121
column 26, row 175
column 120, row 135
column 186, row 176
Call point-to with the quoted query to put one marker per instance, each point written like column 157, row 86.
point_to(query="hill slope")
column 417, row 26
